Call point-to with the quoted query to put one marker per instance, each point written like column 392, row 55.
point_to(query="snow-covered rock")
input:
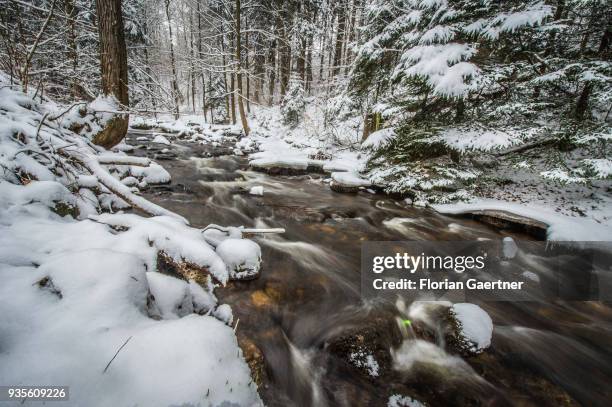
column 347, row 182
column 242, row 257
column 475, row 326
column 257, row 190
column 159, row 139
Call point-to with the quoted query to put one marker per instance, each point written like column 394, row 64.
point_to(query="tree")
column 243, row 119
column 114, row 69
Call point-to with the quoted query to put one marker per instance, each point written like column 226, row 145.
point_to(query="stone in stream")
column 465, row 329
column 347, row 182
column 367, row 347
column 509, row 221
column 242, row 257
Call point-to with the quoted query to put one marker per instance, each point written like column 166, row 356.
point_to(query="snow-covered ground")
column 82, row 303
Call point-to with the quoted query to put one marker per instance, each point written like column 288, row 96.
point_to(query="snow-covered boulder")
column 159, row 139
column 348, row 182
column 474, row 328
column 465, row 328
column 242, row 257
column 257, row 190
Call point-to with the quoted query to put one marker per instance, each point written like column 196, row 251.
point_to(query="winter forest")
column 186, row 186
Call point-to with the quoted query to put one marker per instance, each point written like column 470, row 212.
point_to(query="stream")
column 299, row 316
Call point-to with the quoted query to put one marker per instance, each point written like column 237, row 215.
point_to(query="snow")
column 397, row 400
column 76, row 289
column 172, row 295
column 349, row 179
column 365, row 360
column 476, row 325
column 601, row 166
column 440, row 65
column 159, row 139
column 379, row 139
column 560, row 227
column 242, row 257
column 257, row 190
column 477, row 139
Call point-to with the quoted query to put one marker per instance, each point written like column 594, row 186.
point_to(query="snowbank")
column 350, row 179
column 560, row 227
column 79, row 285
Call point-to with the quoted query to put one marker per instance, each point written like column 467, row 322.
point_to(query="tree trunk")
column 71, row 13
column 272, row 77
column 227, row 96
column 301, row 60
column 285, row 57
column 246, row 59
column 175, row 88
column 200, row 56
column 309, row 65
column 148, row 69
column 243, row 119
column 113, row 64
column 191, row 64
column 339, row 38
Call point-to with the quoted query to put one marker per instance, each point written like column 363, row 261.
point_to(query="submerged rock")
column 367, row 348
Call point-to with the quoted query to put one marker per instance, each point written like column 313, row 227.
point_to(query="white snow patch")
column 159, row 139
column 476, row 325
column 257, row 190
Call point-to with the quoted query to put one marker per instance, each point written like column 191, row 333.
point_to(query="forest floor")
column 574, row 207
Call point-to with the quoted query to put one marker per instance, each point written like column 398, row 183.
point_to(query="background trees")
column 405, row 60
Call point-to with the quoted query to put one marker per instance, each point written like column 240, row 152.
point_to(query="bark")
column 309, row 65
column 113, row 64
column 192, row 66
column 260, row 62
column 200, row 56
column 285, row 58
column 71, row 12
column 243, row 119
column 339, row 38
column 272, row 63
column 175, row 89
column 301, row 60
column 227, row 96
column 246, row 59
column 148, row 69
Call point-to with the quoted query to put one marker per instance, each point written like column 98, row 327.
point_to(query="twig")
column 116, row 353
column 244, row 230
column 67, row 110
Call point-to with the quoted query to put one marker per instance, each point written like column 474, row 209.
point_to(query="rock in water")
column 242, row 257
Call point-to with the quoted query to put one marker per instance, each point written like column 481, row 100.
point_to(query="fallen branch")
column 122, row 191
column 123, row 160
column 230, row 229
column 526, row 146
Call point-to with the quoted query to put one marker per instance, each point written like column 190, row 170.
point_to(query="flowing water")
column 308, row 295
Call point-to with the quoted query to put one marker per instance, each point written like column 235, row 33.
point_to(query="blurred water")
column 308, row 293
